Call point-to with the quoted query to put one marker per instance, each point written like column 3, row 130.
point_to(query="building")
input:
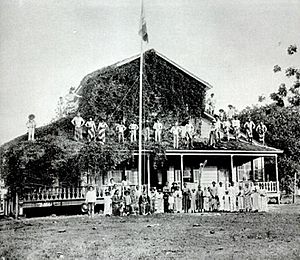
column 173, row 94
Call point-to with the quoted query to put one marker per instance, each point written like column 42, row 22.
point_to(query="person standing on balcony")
column 91, row 127
column 90, row 200
column 261, row 129
column 230, row 112
column 218, row 125
column 133, row 128
column 102, row 127
column 120, row 130
column 236, row 127
column 31, row 125
column 211, row 104
column 189, row 134
column 147, row 132
column 78, row 123
column 249, row 127
column 226, row 128
column 175, row 131
column 222, row 115
column 157, row 130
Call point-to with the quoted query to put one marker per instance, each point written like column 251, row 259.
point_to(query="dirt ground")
column 273, row 235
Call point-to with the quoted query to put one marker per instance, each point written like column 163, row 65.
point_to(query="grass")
column 274, row 235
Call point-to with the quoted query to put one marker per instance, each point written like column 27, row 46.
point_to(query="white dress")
column 107, row 205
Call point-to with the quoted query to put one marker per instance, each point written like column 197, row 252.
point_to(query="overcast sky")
column 47, row 46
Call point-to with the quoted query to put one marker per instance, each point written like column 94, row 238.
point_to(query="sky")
column 47, row 46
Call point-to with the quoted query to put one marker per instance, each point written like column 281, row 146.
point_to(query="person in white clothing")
column 31, row 125
column 78, row 123
column 120, row 130
column 232, row 192
column 90, row 200
column 157, row 130
column 133, row 128
column 175, row 131
column 221, row 195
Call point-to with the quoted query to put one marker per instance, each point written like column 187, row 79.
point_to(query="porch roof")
column 228, row 148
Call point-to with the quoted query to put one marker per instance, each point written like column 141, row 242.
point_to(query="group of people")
column 125, row 200
column 228, row 121
column 233, row 125
column 185, row 132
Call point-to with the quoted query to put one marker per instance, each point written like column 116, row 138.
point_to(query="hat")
column 84, row 208
column 31, row 116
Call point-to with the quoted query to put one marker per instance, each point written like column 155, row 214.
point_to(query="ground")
column 273, row 235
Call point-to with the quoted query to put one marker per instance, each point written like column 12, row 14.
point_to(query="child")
column 91, row 200
column 171, row 202
column 193, row 201
column 240, row 196
column 263, row 200
column 153, row 205
column 107, row 204
column 255, row 199
column 144, row 204
column 127, row 202
column 226, row 201
column 160, row 203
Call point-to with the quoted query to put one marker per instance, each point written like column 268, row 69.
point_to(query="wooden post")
column 148, row 172
column 263, row 168
column 17, row 206
column 233, row 176
column 181, row 170
column 295, row 188
column 277, row 181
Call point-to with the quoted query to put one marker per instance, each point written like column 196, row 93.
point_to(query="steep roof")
column 136, row 57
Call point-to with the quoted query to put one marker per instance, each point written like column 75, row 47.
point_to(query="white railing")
column 269, row 186
column 70, row 193
column 57, row 193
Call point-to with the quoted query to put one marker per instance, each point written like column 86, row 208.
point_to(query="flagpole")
column 140, row 115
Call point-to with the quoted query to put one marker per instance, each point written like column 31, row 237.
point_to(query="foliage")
column 283, row 133
column 292, row 94
column 112, row 93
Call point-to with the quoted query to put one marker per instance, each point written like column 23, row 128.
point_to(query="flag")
column 143, row 26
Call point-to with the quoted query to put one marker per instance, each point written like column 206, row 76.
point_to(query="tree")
column 283, row 133
column 292, row 94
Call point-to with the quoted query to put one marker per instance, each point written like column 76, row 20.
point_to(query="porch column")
column 277, row 181
column 181, row 170
column 263, row 168
column 148, row 172
column 233, row 176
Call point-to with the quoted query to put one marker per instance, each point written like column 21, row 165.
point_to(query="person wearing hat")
column 230, row 112
column 31, row 125
column 90, row 200
column 213, row 134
